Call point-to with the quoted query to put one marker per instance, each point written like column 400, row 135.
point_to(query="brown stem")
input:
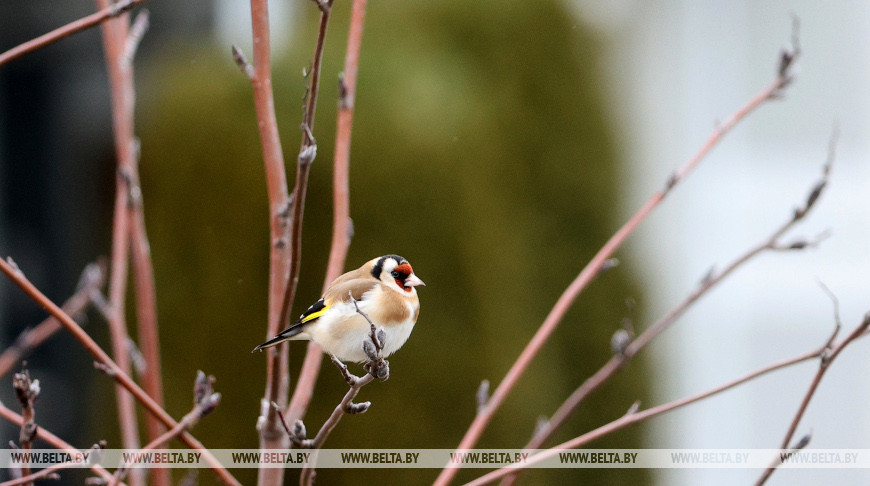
column 112, row 368
column 636, row 417
column 69, row 29
column 28, row 479
column 146, row 318
column 26, row 390
column 284, row 272
column 346, row 405
column 143, row 269
column 341, row 223
column 340, row 410
column 593, row 268
column 277, row 362
column 121, row 42
column 205, row 401
column 307, row 153
column 620, row 359
column 828, row 357
column 52, row 439
column 92, row 279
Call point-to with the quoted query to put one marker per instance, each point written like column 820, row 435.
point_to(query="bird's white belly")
column 342, row 334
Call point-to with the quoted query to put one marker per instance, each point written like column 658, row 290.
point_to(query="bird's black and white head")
column 396, row 273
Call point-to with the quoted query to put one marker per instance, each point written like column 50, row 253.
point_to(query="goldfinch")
column 384, row 289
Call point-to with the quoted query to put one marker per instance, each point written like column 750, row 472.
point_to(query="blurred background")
column 496, row 145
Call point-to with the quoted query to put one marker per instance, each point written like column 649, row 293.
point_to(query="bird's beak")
column 413, row 281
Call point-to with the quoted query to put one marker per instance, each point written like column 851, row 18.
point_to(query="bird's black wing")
column 307, row 317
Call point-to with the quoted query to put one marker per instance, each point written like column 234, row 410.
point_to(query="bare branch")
column 205, row 400
column 49, row 472
column 625, row 347
column 51, row 439
column 277, row 362
column 633, row 418
column 129, row 237
column 342, row 226
column 592, row 269
column 117, row 374
column 92, row 279
column 121, row 86
column 828, row 356
column 377, row 368
column 307, row 153
column 26, row 390
column 69, row 29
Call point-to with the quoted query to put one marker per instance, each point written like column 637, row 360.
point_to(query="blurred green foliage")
column 481, row 153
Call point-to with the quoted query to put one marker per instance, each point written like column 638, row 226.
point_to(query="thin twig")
column 49, row 472
column 636, row 417
column 140, row 249
column 51, row 439
column 592, row 269
column 205, row 400
column 828, row 356
column 27, row 391
column 307, row 153
column 342, row 231
column 346, row 406
column 17, row 277
column 69, row 29
column 377, row 368
column 287, row 241
column 632, row 347
column 92, row 279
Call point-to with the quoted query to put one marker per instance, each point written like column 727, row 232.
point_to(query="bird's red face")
column 401, row 274
column 396, row 272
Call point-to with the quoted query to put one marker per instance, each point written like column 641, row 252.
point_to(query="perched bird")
column 384, row 289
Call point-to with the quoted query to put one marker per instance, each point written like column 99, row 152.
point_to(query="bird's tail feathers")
column 284, row 335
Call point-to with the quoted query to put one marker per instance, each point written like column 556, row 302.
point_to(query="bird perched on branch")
column 384, row 289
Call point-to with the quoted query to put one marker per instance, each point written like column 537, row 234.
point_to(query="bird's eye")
column 395, row 274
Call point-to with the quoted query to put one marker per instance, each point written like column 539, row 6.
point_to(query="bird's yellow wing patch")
column 315, row 314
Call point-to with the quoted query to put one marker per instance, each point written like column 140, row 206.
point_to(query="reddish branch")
column 593, row 268
column 825, row 353
column 205, row 400
column 143, row 270
column 52, row 439
column 47, row 473
column 277, row 363
column 52, row 471
column 377, row 367
column 624, row 355
column 92, row 279
column 69, row 29
column 121, row 85
column 286, row 241
column 121, row 42
column 111, row 367
column 342, row 231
